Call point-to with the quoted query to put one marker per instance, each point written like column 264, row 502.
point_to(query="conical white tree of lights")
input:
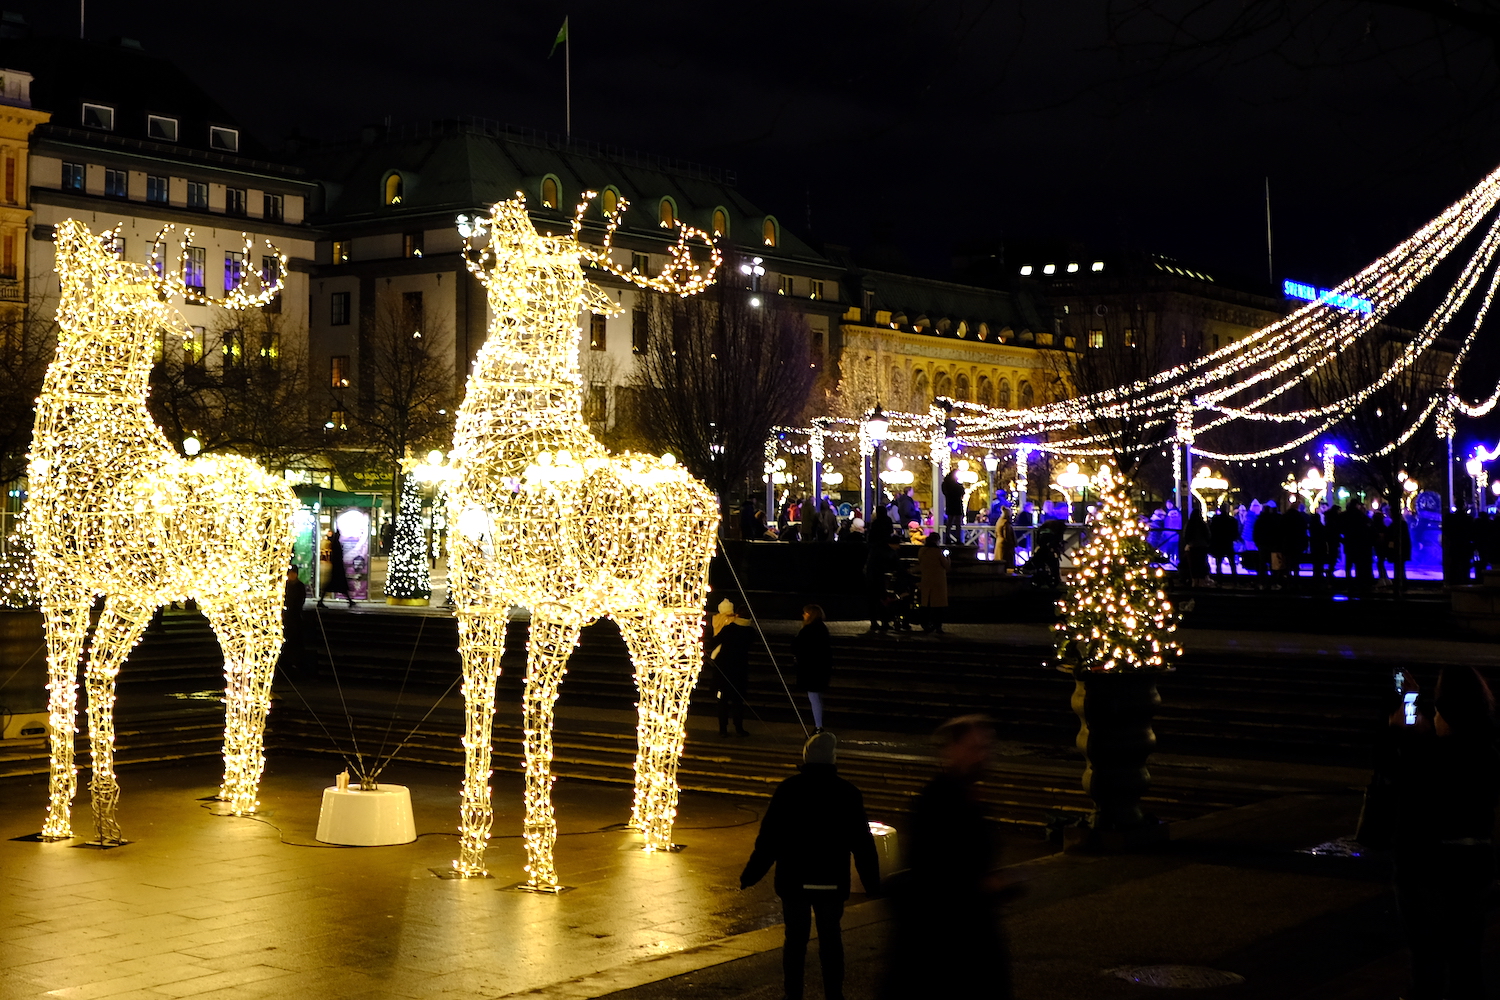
column 115, row 511
column 1115, row 612
column 549, row 521
column 406, row 574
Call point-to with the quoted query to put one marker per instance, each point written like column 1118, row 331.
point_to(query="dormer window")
column 768, row 232
column 721, row 222
column 394, row 189
column 99, row 116
column 551, row 197
column 225, row 140
column 609, row 201
column 161, row 129
column 667, row 214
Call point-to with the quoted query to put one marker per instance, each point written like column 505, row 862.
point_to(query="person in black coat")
column 1223, row 532
column 1267, row 537
column 291, row 659
column 953, row 509
column 947, row 940
column 1444, row 781
column 813, row 648
column 338, row 576
column 815, row 821
column 729, row 652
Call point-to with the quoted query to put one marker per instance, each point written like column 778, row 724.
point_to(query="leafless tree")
column 28, row 340
column 406, row 385
column 719, row 371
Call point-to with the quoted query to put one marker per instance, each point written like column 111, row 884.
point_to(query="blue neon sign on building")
column 1352, row 303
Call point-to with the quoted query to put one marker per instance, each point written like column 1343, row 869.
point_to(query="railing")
column 11, row 290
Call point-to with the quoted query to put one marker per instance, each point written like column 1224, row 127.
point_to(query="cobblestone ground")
column 203, row 906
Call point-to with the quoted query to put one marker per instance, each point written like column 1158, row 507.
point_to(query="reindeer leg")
column 481, row 641
column 667, row 651
column 250, row 637
column 67, row 621
column 119, row 629
column 547, row 652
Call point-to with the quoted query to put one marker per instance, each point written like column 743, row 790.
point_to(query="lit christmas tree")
column 18, row 587
column 406, row 574
column 1115, row 614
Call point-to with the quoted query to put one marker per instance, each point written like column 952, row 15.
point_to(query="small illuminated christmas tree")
column 406, row 573
column 1115, row 614
column 18, row 586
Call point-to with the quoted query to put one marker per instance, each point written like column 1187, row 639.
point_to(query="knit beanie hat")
column 726, row 607
column 820, row 748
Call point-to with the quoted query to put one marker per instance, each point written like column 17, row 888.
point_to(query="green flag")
column 562, row 36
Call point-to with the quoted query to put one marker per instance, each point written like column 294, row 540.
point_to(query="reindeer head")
column 528, row 272
column 103, row 300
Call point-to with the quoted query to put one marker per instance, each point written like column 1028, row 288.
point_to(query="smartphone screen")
column 1400, row 677
column 1410, row 702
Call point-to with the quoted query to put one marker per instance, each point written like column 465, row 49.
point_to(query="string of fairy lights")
column 1246, row 381
column 546, row 519
column 113, row 510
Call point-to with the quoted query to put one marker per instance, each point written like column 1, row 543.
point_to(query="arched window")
column 770, row 232
column 393, row 188
column 551, row 197
column 667, row 213
column 609, row 201
column 920, row 396
column 986, row 394
column 961, row 388
column 1027, row 396
column 942, row 385
column 721, row 222
column 1002, row 394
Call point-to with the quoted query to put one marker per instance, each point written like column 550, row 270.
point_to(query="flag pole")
column 568, row 75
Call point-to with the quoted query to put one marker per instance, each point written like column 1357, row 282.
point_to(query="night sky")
column 914, row 130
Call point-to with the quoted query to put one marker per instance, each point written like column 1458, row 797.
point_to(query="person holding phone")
column 932, row 568
column 1442, row 774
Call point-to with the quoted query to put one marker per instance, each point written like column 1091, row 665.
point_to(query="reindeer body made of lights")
column 549, row 521
column 114, row 511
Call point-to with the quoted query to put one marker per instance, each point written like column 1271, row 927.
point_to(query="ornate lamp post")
column 876, row 426
column 991, row 463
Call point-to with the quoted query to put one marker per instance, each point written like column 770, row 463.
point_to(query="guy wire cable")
column 318, row 719
column 418, row 726
column 397, row 707
column 347, row 717
column 764, row 641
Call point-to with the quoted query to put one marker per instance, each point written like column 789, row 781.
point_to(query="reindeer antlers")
column 170, row 283
column 683, row 276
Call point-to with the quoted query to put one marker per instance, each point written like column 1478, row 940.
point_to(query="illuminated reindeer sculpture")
column 114, row 511
column 549, row 521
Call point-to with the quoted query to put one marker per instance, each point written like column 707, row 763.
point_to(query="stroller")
column 1045, row 563
column 900, row 600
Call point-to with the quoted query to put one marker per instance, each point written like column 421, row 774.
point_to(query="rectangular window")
column 10, row 180
column 235, row 201
column 596, row 331
column 869, row 309
column 234, row 270
column 192, row 345
column 233, row 347
column 195, row 268
column 340, row 313
column 411, row 245
column 596, row 404
column 640, row 263
column 816, row 290
column 197, row 194
column 638, row 329
column 116, row 183
column 341, row 251
column 99, row 116
column 160, row 353
column 270, row 277
column 338, row 371
column 1216, row 341
column 269, row 355
column 1096, row 338
column 72, row 177
column 226, row 140
column 1130, row 338
column 161, row 129
column 273, row 207
column 336, row 421
column 8, row 257
column 156, row 189
column 784, row 285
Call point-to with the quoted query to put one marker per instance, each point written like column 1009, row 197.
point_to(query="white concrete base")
column 357, row 818
column 885, row 850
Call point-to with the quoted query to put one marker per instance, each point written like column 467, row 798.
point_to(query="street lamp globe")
column 191, row 446
column 877, row 424
column 991, row 462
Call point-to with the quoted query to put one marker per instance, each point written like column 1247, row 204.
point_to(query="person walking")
column 291, row 659
column 729, row 651
column 815, row 822
column 813, row 649
column 1443, row 776
column 932, row 589
column 338, row 576
column 946, row 939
